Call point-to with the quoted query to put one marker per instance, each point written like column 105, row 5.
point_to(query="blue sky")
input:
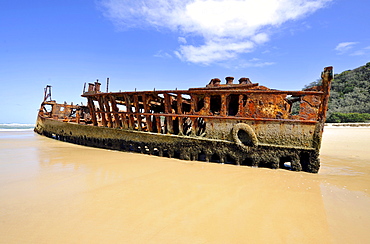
column 282, row 44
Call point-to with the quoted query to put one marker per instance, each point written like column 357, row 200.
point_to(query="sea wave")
column 16, row 127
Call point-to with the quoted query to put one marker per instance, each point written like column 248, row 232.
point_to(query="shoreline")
column 348, row 124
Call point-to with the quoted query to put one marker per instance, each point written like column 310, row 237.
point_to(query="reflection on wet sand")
column 65, row 193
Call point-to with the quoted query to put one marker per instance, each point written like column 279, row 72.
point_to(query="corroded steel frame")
column 244, row 123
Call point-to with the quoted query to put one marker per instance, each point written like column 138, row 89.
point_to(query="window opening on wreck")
column 215, row 104
column 186, row 107
column 163, row 124
column 48, row 108
column 136, row 125
column 61, row 109
column 304, row 159
column 199, row 104
column 248, row 162
column 144, row 124
column 73, row 113
column 122, row 108
column 96, row 104
column 215, row 158
column 155, row 151
column 177, row 154
column 233, row 104
column 245, row 138
column 294, row 103
column 165, row 153
column 285, row 163
column 202, row 156
column 153, row 122
column 185, row 97
column 173, row 103
column 230, row 160
column 156, row 107
column 175, row 122
column 264, row 164
column 187, row 126
column 201, row 127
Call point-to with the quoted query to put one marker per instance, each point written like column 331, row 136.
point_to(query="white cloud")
column 344, row 46
column 213, row 51
column 358, row 53
column 226, row 27
column 256, row 62
column 361, row 52
column 240, row 64
column 162, row 54
column 260, row 38
column 182, row 40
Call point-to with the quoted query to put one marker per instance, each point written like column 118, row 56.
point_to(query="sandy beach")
column 56, row 192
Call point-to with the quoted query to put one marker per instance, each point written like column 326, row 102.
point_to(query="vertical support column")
column 78, row 116
column 108, row 110
column 207, row 105
column 179, row 103
column 179, row 111
column 169, row 121
column 168, row 110
column 129, row 112
column 137, row 112
column 124, row 121
column 223, row 104
column 167, row 103
column 103, row 117
column 194, row 126
column 241, row 110
column 147, row 111
column 327, row 76
column 193, row 103
column 158, row 123
column 115, row 110
column 90, row 104
column 65, row 112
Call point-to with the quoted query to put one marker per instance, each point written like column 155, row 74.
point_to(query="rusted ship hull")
column 189, row 148
column 236, row 124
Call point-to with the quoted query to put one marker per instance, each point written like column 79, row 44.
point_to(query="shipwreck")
column 241, row 124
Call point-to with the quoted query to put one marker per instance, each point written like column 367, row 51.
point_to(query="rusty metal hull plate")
column 182, row 147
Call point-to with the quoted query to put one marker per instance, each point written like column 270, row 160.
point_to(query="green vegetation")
column 350, row 96
column 347, row 117
column 350, row 91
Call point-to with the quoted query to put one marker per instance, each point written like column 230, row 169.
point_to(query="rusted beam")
column 241, row 107
column 327, row 75
column 108, row 111
column 223, row 105
column 148, row 121
column 211, row 92
column 130, row 116
column 117, row 122
column 90, row 104
column 137, row 112
column 102, row 111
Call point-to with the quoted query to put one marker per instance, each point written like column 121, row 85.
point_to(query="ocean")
column 16, row 127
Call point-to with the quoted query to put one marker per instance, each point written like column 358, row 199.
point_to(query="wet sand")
column 56, row 192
